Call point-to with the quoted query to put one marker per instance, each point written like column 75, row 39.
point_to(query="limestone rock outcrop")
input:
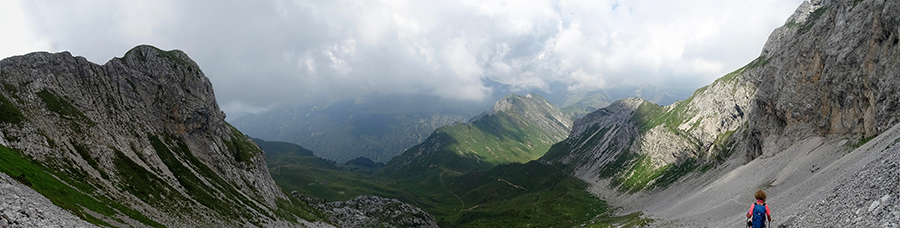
column 635, row 141
column 372, row 211
column 831, row 70
column 143, row 130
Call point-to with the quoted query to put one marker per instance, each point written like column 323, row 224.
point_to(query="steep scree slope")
column 800, row 121
column 830, row 70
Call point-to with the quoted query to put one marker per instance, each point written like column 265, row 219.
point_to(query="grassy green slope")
column 296, row 169
column 497, row 139
column 432, row 154
column 490, row 198
column 514, row 195
column 487, row 141
column 71, row 191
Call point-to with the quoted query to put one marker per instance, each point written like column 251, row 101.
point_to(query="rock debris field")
column 870, row 198
column 20, row 206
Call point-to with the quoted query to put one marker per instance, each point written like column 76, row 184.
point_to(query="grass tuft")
column 861, row 141
column 242, row 148
column 811, row 20
column 8, row 112
column 61, row 106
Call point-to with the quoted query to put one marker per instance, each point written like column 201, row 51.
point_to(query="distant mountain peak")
column 516, row 129
column 514, row 101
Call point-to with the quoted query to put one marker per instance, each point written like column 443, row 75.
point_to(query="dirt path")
column 461, row 208
column 511, row 184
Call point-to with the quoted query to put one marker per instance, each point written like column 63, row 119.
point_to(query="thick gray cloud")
column 262, row 53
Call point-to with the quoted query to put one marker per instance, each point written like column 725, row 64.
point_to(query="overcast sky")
column 266, row 52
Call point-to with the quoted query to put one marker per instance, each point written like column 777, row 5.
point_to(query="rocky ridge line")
column 150, row 118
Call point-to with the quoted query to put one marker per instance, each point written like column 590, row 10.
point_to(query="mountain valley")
column 140, row 142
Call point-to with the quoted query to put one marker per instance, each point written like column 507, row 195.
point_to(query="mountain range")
column 375, row 128
column 140, row 141
column 517, row 129
column 379, row 127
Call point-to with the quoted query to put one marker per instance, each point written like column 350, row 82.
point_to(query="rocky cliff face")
column 143, row 130
column 797, row 122
column 640, row 145
column 832, row 70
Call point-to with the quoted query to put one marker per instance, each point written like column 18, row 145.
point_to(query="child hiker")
column 759, row 211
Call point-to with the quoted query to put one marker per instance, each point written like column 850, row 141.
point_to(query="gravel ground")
column 817, row 182
column 20, row 206
column 870, row 198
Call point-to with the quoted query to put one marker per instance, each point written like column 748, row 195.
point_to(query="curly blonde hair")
column 760, row 195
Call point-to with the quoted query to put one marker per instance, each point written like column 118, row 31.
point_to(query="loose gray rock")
column 372, row 211
column 867, row 199
column 20, row 206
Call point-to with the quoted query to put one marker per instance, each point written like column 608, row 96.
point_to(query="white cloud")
column 16, row 36
column 261, row 53
column 141, row 19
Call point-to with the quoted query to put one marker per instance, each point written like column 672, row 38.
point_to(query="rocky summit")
column 138, row 141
